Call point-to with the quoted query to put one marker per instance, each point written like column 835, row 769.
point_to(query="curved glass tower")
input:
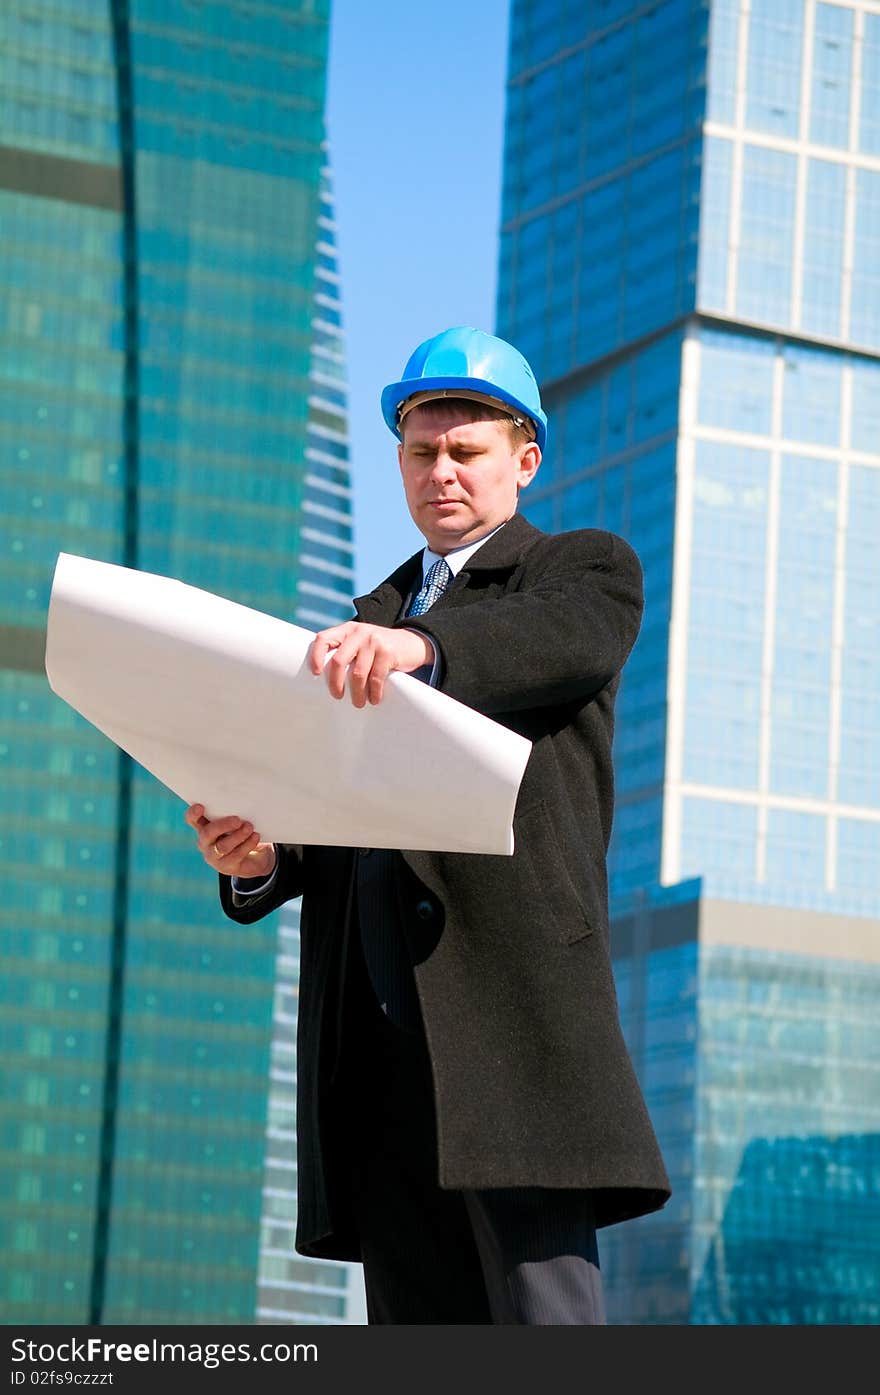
column 171, row 398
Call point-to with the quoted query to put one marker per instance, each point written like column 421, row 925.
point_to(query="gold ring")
column 217, row 852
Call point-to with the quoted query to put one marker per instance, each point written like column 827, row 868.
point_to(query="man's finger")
column 233, row 846
column 359, row 674
column 230, row 861
column 323, row 642
column 383, row 664
column 217, row 828
column 230, row 842
column 337, row 667
column 319, row 651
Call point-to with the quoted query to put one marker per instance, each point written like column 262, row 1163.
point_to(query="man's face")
column 461, row 478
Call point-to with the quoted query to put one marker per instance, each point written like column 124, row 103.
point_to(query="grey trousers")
column 524, row 1255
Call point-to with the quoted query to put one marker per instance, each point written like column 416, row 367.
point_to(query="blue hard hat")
column 472, row 361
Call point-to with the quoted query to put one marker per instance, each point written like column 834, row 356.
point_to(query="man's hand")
column 367, row 654
column 230, row 845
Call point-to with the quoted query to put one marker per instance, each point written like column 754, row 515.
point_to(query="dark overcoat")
column 533, row 1082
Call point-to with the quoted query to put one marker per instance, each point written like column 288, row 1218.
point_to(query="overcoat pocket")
column 553, row 887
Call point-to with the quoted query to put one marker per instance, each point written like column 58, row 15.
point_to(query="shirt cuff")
column 435, row 664
column 255, row 886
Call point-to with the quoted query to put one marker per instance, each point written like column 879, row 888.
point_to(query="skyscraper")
column 690, row 259
column 170, row 353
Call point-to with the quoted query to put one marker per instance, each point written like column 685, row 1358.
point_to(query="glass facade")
column 601, row 177
column 171, row 398
column 645, row 1264
column 779, row 737
column 787, row 1147
column 699, row 294
column 790, row 224
column 611, row 460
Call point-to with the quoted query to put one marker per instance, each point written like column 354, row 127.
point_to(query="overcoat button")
column 425, row 909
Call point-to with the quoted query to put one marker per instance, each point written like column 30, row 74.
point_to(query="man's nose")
column 443, row 467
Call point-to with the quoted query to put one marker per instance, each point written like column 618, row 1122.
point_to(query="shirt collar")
column 459, row 555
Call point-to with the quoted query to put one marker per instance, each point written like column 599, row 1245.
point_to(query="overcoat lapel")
column 382, row 606
column 502, row 553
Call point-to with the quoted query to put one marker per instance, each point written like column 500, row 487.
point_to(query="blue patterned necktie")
column 435, row 583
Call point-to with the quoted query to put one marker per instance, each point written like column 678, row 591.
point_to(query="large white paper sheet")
column 218, row 702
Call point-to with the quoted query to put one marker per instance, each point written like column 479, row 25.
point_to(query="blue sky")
column 415, row 113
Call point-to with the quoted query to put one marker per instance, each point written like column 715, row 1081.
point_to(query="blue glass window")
column 652, row 292
column 718, row 843
column 774, row 66
column 869, row 130
column 601, row 270
column 823, row 247
column 584, row 424
column 726, row 615
column 811, row 395
column 658, row 109
column 766, row 235
column 859, row 778
column 801, row 697
column 723, row 46
column 715, row 223
column 657, row 374
column 608, row 119
column 580, row 503
column 832, row 61
column 865, row 320
column 540, row 511
column 634, row 858
column 736, row 382
column 858, row 857
column 865, row 429
column 795, row 851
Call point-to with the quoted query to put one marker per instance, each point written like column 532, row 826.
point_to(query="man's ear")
column 528, row 465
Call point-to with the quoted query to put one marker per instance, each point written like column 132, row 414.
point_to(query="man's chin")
column 445, row 528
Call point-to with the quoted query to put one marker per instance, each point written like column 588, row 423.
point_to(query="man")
column 467, row 1112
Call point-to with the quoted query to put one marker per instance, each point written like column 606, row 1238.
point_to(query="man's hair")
column 472, row 411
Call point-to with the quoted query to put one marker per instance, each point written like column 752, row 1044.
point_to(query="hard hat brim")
column 395, row 394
